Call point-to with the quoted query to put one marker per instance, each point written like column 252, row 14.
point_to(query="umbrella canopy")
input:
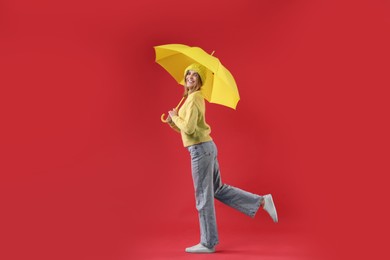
column 219, row 86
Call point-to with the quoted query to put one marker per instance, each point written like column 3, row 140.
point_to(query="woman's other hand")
column 172, row 113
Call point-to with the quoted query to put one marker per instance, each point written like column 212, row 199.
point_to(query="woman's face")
column 192, row 80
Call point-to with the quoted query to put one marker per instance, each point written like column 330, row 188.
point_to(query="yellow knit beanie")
column 201, row 70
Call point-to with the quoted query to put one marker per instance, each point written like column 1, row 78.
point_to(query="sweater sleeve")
column 188, row 123
column 174, row 127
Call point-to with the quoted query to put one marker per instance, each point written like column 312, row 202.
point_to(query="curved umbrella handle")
column 164, row 120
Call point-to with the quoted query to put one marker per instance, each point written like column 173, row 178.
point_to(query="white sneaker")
column 200, row 249
column 269, row 206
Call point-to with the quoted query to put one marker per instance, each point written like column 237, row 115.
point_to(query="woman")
column 195, row 132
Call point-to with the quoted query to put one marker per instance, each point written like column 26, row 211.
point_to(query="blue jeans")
column 208, row 185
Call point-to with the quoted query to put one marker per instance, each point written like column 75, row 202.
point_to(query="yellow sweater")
column 191, row 120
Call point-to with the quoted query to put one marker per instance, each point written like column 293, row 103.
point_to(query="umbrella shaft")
column 181, row 101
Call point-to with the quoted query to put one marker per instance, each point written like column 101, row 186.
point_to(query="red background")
column 88, row 171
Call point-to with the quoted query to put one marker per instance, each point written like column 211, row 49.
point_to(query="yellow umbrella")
column 219, row 87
